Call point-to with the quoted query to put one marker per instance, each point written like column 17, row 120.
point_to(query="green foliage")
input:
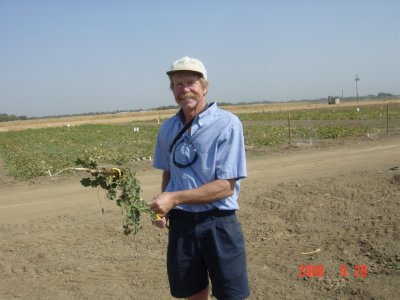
column 261, row 135
column 6, row 117
column 124, row 188
column 373, row 112
column 34, row 152
column 394, row 265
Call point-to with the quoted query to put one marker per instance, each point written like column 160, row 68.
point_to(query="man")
column 201, row 153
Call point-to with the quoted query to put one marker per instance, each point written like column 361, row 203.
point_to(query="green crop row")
column 35, row 152
column 373, row 112
column 267, row 135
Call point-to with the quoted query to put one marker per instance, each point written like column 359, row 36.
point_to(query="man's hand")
column 162, row 203
column 161, row 221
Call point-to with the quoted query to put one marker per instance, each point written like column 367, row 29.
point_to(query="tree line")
column 6, row 117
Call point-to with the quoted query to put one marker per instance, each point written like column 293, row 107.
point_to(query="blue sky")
column 66, row 57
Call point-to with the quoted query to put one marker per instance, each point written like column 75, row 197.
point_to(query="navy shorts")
column 206, row 245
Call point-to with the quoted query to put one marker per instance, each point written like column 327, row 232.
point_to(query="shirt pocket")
column 206, row 161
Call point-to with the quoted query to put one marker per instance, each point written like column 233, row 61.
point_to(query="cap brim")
column 169, row 73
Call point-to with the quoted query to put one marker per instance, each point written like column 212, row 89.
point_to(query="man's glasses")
column 184, row 154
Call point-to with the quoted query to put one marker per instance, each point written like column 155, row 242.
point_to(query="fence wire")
column 311, row 127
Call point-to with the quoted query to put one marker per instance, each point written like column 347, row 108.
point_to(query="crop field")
column 36, row 152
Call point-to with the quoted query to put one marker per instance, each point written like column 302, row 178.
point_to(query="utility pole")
column 356, row 78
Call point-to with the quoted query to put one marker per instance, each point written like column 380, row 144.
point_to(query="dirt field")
column 342, row 199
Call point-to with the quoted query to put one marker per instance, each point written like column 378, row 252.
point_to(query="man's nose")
column 186, row 87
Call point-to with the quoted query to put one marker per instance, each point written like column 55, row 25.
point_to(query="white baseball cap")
column 188, row 64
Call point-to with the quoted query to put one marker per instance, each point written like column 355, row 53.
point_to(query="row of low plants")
column 266, row 135
column 370, row 112
column 35, row 152
column 272, row 128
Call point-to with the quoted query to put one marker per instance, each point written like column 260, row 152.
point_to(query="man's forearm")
column 209, row 192
column 213, row 191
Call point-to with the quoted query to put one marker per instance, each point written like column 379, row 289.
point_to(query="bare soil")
column 332, row 208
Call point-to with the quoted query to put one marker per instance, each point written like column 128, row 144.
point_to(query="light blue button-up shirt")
column 217, row 137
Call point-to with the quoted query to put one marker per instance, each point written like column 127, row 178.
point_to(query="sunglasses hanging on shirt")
column 185, row 146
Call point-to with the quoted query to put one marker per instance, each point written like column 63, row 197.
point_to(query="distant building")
column 333, row 100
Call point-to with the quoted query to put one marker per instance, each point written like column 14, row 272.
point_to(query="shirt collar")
column 211, row 107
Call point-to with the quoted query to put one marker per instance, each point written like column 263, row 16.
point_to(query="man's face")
column 188, row 91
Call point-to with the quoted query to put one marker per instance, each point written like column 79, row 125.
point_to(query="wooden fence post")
column 290, row 131
column 387, row 119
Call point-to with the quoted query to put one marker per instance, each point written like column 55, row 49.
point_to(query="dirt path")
column 343, row 200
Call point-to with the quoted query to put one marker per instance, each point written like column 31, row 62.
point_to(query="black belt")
column 179, row 213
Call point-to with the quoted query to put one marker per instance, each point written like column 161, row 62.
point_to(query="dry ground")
column 342, row 199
